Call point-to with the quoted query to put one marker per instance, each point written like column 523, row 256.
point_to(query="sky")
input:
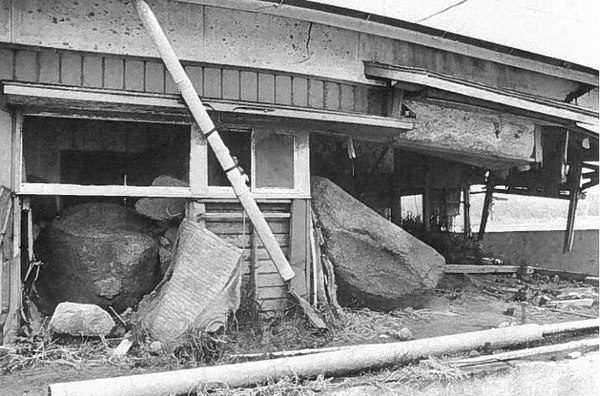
column 563, row 29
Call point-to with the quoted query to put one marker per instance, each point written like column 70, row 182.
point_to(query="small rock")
column 405, row 334
column 474, row 353
column 510, row 311
column 503, row 325
column 384, row 336
column 574, row 355
column 81, row 320
column 155, row 346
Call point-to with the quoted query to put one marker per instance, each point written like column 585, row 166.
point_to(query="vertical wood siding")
column 123, row 73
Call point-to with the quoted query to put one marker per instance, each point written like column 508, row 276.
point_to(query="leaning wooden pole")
column 351, row 360
column 191, row 98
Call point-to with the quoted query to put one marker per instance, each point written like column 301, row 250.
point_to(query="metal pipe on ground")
column 336, row 363
column 191, row 98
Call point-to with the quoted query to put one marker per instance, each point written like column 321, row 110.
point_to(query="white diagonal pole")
column 191, row 98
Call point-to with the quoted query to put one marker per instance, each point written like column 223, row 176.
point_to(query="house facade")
column 88, row 109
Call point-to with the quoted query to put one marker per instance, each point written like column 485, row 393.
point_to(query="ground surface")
column 461, row 304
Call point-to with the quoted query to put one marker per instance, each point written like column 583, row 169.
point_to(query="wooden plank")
column 227, row 228
column 231, row 84
column 244, row 240
column 361, row 99
column 104, row 191
column 332, row 95
column 71, row 69
column 300, row 91
column 574, row 179
column 114, row 73
column 154, row 77
column 198, row 161
column 7, row 69
column 270, row 279
column 11, row 324
column 269, row 292
column 315, row 93
column 212, row 83
column 249, row 86
column 49, row 67
column 26, row 65
column 5, row 210
column 299, row 254
column 196, row 75
column 92, row 71
column 346, row 97
column 134, row 75
column 283, row 90
column 480, row 269
column 239, row 216
column 266, row 88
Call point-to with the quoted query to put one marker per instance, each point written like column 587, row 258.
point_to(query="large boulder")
column 375, row 261
column 81, row 320
column 99, row 253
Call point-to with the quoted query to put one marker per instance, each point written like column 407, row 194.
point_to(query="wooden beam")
column 487, row 203
column 574, row 179
column 480, row 269
column 35, row 94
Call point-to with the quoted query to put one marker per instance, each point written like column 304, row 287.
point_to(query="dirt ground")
column 461, row 304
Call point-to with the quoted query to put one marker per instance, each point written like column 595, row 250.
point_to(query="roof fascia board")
column 18, row 93
column 398, row 33
column 425, row 78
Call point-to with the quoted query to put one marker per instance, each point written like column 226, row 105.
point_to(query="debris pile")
column 375, row 261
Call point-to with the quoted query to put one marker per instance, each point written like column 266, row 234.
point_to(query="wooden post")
column 300, row 246
column 191, row 98
column 487, row 203
column 574, row 182
column 15, row 298
column 427, row 208
column 467, row 210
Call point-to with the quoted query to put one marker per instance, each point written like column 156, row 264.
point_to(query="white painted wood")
column 198, row 162
column 104, row 191
column 19, row 93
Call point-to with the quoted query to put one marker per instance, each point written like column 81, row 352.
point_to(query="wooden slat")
column 244, row 240
column 231, row 84
column 315, row 93
column 240, row 215
column 212, row 82
column 113, row 73
column 92, row 71
column 71, row 69
column 154, row 77
column 480, row 269
column 134, row 75
column 332, row 95
column 283, row 90
column 249, row 86
column 266, row 88
column 6, row 64
column 273, row 306
column 300, row 91
column 263, row 293
column 26, row 66
column 196, row 75
column 49, row 67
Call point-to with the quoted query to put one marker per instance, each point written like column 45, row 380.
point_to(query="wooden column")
column 467, row 210
column 574, row 181
column 300, row 246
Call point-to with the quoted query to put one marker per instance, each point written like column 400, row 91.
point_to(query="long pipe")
column 191, row 98
column 354, row 359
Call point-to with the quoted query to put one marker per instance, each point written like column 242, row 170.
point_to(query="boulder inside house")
column 375, row 261
column 99, row 253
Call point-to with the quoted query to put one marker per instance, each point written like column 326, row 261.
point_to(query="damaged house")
column 93, row 129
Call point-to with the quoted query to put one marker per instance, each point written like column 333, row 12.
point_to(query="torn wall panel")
column 470, row 131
